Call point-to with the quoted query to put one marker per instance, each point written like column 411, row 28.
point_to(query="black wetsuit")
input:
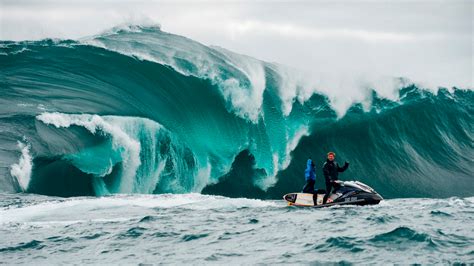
column 331, row 170
column 309, row 186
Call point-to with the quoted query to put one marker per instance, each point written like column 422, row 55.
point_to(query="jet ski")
column 345, row 193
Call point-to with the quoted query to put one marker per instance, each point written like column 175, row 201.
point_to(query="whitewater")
column 141, row 146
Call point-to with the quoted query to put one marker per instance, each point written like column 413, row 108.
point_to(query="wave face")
column 138, row 110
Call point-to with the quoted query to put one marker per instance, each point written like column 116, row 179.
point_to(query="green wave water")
column 138, row 110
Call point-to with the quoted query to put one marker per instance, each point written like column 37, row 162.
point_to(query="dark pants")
column 309, row 187
column 329, row 186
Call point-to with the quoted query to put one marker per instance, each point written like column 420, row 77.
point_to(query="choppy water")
column 194, row 228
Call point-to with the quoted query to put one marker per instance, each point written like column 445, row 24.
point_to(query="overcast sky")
column 426, row 41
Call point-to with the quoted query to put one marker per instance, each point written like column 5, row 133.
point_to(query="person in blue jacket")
column 310, row 176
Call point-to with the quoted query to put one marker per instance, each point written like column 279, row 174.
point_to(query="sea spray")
column 21, row 171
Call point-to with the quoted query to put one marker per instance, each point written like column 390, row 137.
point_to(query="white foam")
column 22, row 170
column 248, row 101
column 292, row 143
column 85, row 209
column 203, row 177
column 342, row 89
column 290, row 86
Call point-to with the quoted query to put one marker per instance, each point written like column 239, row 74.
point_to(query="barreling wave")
column 138, row 110
column 147, row 156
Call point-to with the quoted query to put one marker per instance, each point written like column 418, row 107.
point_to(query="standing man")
column 310, row 177
column 331, row 171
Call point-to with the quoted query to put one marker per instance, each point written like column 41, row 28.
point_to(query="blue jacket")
column 310, row 172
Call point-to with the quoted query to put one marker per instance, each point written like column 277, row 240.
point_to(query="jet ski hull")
column 347, row 193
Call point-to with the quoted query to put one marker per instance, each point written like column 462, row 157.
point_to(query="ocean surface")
column 138, row 145
column 200, row 229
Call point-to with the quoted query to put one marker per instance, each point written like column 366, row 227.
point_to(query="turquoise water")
column 141, row 146
column 199, row 229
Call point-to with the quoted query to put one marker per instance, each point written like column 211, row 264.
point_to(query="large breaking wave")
column 138, row 110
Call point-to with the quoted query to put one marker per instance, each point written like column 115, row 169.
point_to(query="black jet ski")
column 345, row 192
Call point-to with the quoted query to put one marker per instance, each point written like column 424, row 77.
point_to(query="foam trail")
column 22, row 170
